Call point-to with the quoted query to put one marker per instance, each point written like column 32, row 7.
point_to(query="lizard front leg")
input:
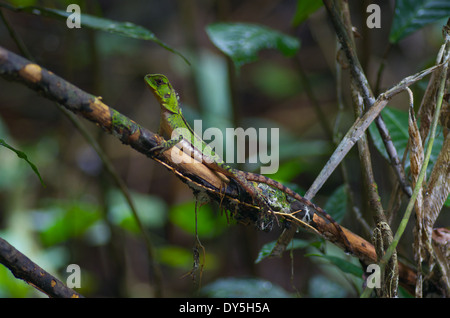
column 166, row 145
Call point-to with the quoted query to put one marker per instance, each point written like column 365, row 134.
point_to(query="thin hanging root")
column 222, row 209
column 222, row 196
column 199, row 244
column 198, row 265
column 225, row 211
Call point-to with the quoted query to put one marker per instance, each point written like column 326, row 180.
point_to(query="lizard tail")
column 243, row 179
column 263, row 179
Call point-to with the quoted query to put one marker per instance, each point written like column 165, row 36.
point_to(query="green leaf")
column 242, row 42
column 304, row 9
column 267, row 248
column 23, row 156
column 64, row 220
column 336, row 205
column 126, row 29
column 411, row 15
column 397, row 123
column 342, row 264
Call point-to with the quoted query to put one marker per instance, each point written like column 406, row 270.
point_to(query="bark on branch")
column 22, row 267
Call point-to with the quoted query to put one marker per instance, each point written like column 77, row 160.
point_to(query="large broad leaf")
column 336, row 205
column 343, row 264
column 411, row 15
column 242, row 42
column 397, row 123
column 127, row 29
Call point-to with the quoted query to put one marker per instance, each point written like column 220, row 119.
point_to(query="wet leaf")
column 242, row 41
column 342, row 264
column 412, row 15
column 127, row 29
column 336, row 205
column 397, row 123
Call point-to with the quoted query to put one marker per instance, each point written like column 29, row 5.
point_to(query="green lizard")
column 172, row 119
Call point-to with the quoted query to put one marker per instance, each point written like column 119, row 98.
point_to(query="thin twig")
column 340, row 103
column 342, row 27
column 16, row 38
column 361, row 124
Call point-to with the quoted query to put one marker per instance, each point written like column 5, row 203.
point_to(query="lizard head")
column 163, row 91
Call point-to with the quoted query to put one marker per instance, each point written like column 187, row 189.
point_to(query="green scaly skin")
column 172, row 118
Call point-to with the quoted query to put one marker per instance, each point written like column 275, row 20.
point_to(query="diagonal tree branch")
column 22, row 267
column 363, row 87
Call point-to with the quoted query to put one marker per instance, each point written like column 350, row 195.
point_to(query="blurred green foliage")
column 243, row 288
column 209, row 223
column 81, row 217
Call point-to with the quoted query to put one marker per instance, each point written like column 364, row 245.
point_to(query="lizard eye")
column 159, row 81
